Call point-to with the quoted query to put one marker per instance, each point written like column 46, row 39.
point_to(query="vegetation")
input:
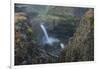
column 75, row 31
column 81, row 45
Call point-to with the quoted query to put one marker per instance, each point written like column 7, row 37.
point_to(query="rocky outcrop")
column 76, row 33
column 81, row 46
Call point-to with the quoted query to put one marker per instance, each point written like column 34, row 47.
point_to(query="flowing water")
column 49, row 40
column 45, row 32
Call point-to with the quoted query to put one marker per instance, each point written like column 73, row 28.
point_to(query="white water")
column 45, row 32
column 62, row 45
column 49, row 40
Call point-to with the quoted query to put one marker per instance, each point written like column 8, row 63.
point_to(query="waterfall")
column 45, row 32
column 49, row 40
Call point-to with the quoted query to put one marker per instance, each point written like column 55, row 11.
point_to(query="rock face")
column 81, row 46
column 73, row 27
